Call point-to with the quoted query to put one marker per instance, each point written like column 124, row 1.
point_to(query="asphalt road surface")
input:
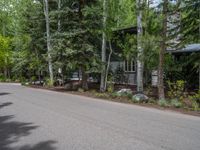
column 34, row 119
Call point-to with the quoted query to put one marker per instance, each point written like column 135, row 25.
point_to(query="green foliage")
column 190, row 21
column 176, row 103
column 5, row 53
column 47, row 82
column 152, row 101
column 176, row 89
column 163, row 103
column 195, row 99
column 80, row 90
column 122, row 95
column 2, row 78
column 102, row 95
column 110, row 87
column 33, row 78
column 195, row 106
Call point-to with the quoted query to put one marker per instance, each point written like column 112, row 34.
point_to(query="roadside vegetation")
column 69, row 45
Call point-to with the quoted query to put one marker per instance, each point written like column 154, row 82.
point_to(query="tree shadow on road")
column 4, row 93
column 5, row 104
column 11, row 132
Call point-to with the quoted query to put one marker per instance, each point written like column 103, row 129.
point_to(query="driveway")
column 34, row 119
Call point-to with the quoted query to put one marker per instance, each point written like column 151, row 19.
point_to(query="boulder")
column 123, row 92
column 68, row 86
column 140, row 98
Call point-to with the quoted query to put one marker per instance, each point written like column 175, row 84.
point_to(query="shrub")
column 80, row 90
column 195, row 99
column 163, row 103
column 47, row 82
column 114, row 95
column 176, row 89
column 176, row 103
column 102, row 95
column 2, row 78
column 110, row 87
column 33, row 78
column 152, row 101
column 195, row 106
column 22, row 79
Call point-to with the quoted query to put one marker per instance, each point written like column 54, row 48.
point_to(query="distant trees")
column 190, row 21
column 5, row 55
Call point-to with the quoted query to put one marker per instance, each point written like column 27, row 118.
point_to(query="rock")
column 124, row 92
column 140, row 98
column 68, row 86
column 75, row 86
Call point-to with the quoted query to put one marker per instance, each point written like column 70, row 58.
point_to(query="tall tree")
column 190, row 21
column 103, row 50
column 139, row 47
column 161, row 92
column 46, row 13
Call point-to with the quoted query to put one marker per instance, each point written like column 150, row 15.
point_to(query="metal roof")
column 188, row 49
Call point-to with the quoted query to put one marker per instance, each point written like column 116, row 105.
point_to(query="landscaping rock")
column 140, row 98
column 68, row 86
column 123, row 92
column 75, row 86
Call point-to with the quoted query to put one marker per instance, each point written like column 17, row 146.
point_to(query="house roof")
column 188, row 49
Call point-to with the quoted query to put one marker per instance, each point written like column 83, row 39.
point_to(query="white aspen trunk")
column 108, row 65
column 103, row 51
column 161, row 92
column 59, row 22
column 140, row 49
column 5, row 66
column 46, row 13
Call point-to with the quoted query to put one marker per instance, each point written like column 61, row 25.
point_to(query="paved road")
column 33, row 119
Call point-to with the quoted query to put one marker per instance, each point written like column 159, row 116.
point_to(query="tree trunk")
column 161, row 92
column 140, row 63
column 108, row 65
column 59, row 22
column 84, row 79
column 46, row 13
column 103, row 51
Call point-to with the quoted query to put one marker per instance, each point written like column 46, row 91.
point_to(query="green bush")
column 163, row 103
column 176, row 103
column 80, row 90
column 152, row 101
column 195, row 106
column 2, row 78
column 48, row 82
column 176, row 89
column 110, row 87
column 195, row 99
column 22, row 79
column 114, row 95
column 102, row 95
column 33, row 78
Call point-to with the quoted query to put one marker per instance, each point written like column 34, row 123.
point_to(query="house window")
column 129, row 66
